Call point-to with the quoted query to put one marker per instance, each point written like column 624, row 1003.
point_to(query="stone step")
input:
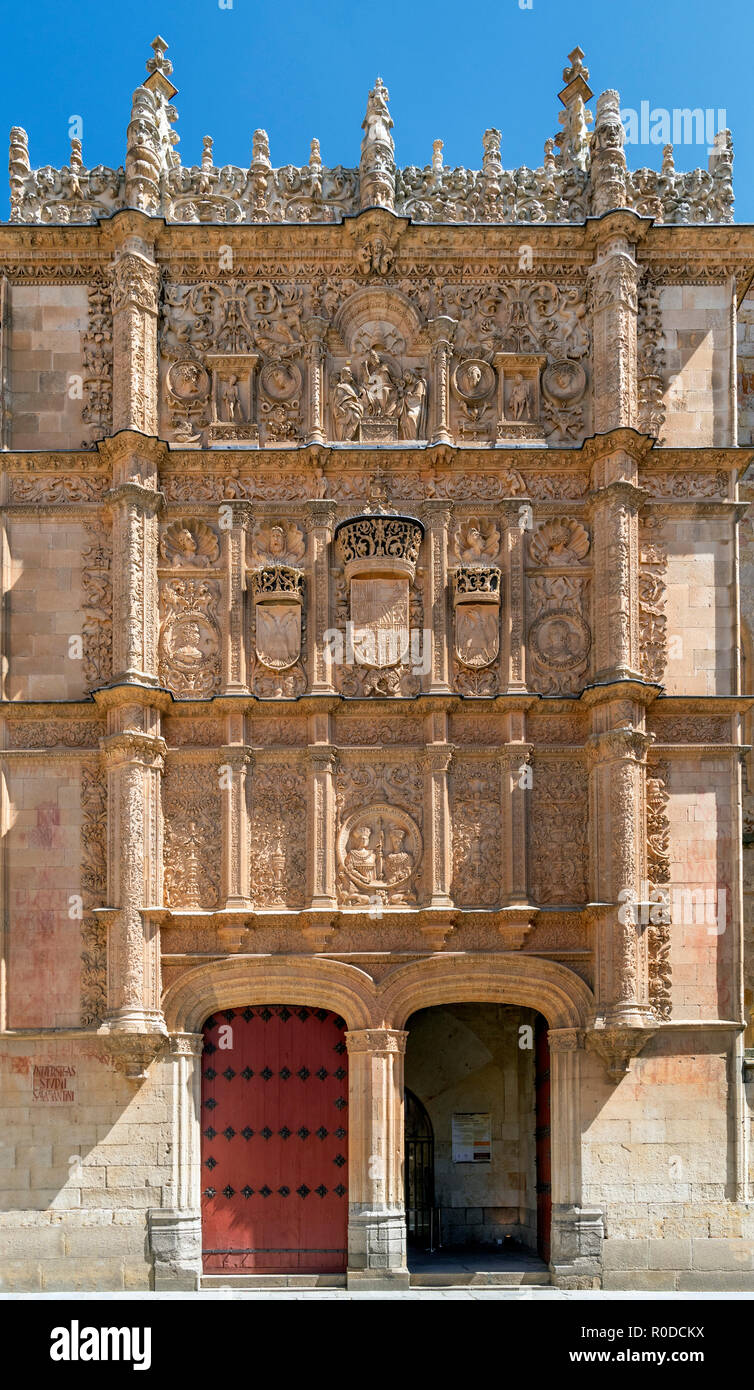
column 457, row 1278
column 272, row 1281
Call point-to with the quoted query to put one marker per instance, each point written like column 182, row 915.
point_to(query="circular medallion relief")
column 280, row 380
column 473, row 379
column 560, row 640
column 378, row 851
column 189, row 642
column 188, row 381
column 564, row 381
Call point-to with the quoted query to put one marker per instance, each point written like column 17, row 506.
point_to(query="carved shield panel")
column 477, row 633
column 278, row 634
column 380, row 618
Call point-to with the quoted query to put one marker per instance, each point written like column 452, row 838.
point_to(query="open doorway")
column 477, row 1133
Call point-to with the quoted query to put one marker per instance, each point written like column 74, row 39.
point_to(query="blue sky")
column 302, row 69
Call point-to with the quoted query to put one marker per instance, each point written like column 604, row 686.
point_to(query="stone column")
column 134, row 763
column 314, row 332
column 320, row 521
column 441, row 331
column 577, row 1232
column 321, row 837
column 234, row 636
column 436, row 516
column 135, row 297
column 376, row 1215
column 175, row 1231
column 235, row 764
column 514, row 516
column 438, row 854
column 616, row 808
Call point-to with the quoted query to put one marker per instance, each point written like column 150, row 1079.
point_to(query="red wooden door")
column 274, row 1140
column 542, row 1133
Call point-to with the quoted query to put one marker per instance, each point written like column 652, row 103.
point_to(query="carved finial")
column 315, row 158
column 491, row 141
column 159, row 63
column 549, row 158
column 607, row 158
column 573, row 140
column 721, row 154
column 207, row 147
column 260, row 148
column 668, row 162
column 76, row 162
column 18, row 168
column 376, row 167
column 576, row 69
column 437, row 156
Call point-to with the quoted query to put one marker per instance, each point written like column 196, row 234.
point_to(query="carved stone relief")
column 476, row 820
column 652, row 589
column 375, row 607
column 379, row 832
column 658, row 865
column 192, row 816
column 189, row 543
column 189, row 646
column 278, row 627
column 278, row 836
column 558, row 831
column 94, row 894
column 379, row 850
column 97, row 604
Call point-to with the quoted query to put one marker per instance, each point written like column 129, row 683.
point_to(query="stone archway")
column 567, row 1004
column 376, row 1015
column 175, row 1233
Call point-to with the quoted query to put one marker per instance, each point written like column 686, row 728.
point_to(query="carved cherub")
column 477, row 541
column 278, row 543
column 189, row 542
column 562, row 541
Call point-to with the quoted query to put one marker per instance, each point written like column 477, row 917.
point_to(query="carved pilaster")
column 135, row 294
column 320, row 522
column 441, row 330
column 315, row 330
column 376, row 1224
column 235, row 766
column 321, row 837
column 135, row 510
column 615, row 520
column 437, row 516
column 613, row 281
column 134, row 765
column 437, row 832
column 234, row 554
column 616, row 798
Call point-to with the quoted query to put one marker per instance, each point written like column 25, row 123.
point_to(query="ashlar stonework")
column 376, row 647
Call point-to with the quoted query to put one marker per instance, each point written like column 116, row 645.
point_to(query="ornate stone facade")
column 395, row 646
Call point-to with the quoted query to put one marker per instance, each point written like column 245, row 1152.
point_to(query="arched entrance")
column 274, row 1116
column 472, row 1073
